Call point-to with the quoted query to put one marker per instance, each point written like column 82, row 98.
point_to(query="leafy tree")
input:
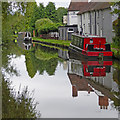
column 61, row 11
column 50, row 12
column 45, row 26
column 38, row 13
column 28, row 15
column 117, row 26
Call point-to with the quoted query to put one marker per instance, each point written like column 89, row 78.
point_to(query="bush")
column 45, row 25
column 116, row 41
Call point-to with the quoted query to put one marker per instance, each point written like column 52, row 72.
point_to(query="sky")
column 58, row 3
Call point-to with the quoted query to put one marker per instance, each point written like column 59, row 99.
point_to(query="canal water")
column 62, row 84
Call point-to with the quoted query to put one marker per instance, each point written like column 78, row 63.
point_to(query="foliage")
column 38, row 13
column 57, row 42
column 116, row 39
column 28, row 15
column 42, row 55
column 45, row 26
column 17, row 105
column 50, row 11
column 61, row 11
column 46, row 63
column 30, row 63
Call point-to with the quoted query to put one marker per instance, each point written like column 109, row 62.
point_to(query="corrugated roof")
column 76, row 6
column 91, row 6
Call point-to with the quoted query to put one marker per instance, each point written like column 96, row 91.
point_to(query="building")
column 65, row 32
column 93, row 17
column 73, row 10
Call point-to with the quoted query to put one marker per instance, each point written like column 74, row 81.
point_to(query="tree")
column 45, row 26
column 38, row 13
column 50, row 12
column 117, row 26
column 28, row 15
column 61, row 11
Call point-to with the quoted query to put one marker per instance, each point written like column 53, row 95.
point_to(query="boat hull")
column 93, row 55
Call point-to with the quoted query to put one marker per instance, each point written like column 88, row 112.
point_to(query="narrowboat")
column 91, row 47
column 26, row 36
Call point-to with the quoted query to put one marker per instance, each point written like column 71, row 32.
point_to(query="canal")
column 39, row 81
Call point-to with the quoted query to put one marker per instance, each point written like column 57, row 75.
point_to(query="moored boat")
column 26, row 36
column 91, row 47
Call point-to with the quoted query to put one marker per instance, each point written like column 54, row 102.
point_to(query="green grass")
column 57, row 42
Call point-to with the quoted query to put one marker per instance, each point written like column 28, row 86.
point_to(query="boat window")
column 91, row 40
column 90, row 48
column 107, row 46
column 81, row 42
column 78, row 41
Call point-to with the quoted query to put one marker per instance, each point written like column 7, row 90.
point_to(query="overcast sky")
column 58, row 3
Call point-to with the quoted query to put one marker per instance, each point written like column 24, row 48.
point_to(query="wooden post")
column 33, row 33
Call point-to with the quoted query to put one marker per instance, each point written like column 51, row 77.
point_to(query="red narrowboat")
column 91, row 46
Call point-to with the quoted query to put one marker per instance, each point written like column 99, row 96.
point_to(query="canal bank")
column 65, row 44
column 57, row 43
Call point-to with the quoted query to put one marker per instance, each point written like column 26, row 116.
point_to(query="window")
column 70, row 30
column 73, row 13
column 91, row 40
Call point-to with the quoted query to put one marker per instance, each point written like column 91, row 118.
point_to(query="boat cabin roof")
column 87, row 36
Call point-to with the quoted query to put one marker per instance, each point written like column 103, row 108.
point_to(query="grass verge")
column 52, row 41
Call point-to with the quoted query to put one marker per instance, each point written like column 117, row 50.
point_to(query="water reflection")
column 94, row 76
column 94, row 84
column 39, row 58
column 15, row 104
column 24, row 44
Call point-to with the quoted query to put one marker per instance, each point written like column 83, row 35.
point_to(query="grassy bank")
column 53, row 42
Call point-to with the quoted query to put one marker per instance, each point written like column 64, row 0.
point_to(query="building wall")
column 97, row 23
column 72, row 18
column 65, row 34
column 107, row 25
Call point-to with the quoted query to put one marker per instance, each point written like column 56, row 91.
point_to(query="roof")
column 69, row 26
column 76, row 6
column 91, row 6
column 88, row 36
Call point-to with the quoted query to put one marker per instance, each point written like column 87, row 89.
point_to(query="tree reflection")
column 17, row 105
column 41, row 59
column 30, row 63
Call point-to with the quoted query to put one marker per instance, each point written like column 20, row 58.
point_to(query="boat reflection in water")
column 27, row 45
column 93, row 76
column 24, row 44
